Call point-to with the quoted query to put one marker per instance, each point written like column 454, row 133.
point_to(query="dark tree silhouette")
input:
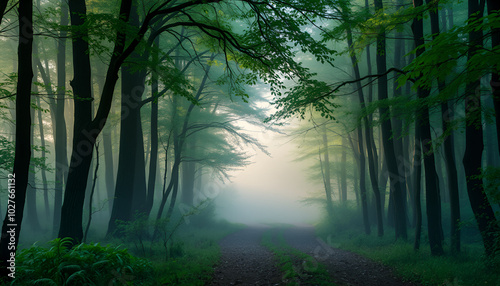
column 11, row 227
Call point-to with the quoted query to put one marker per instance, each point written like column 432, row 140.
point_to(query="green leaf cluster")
column 449, row 51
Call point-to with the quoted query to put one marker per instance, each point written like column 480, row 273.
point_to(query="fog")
column 195, row 142
column 271, row 189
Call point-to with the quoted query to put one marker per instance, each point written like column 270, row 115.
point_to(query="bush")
column 84, row 264
column 346, row 217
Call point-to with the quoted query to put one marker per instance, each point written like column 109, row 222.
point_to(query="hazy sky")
column 270, row 189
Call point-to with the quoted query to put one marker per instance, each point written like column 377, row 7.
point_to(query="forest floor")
column 246, row 261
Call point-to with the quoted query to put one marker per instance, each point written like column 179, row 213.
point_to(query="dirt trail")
column 245, row 261
column 345, row 267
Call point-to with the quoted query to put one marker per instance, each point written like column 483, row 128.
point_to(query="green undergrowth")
column 187, row 258
column 183, row 250
column 195, row 253
column 467, row 268
column 83, row 264
column 297, row 267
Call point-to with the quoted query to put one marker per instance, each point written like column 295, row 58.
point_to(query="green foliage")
column 136, row 231
column 149, row 237
column 345, row 217
column 298, row 267
column 466, row 268
column 158, row 238
column 469, row 267
column 308, row 93
column 40, row 162
column 7, row 86
column 449, row 50
column 197, row 254
column 84, row 264
column 7, row 94
column 192, row 254
column 7, row 152
column 492, row 186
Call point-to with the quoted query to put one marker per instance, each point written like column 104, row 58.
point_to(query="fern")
column 84, row 264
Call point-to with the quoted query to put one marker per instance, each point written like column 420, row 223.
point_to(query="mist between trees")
column 138, row 111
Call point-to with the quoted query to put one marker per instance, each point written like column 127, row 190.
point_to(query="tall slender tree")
column 61, row 168
column 325, row 170
column 483, row 212
column 82, row 147
column 397, row 187
column 433, row 202
column 18, row 180
column 364, row 122
column 448, row 147
column 494, row 7
column 153, row 160
column 130, row 188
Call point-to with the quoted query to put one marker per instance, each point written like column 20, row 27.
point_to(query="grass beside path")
column 297, row 267
column 198, row 252
column 467, row 268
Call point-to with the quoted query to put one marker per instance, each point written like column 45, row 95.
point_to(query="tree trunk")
column 3, row 7
column 325, row 168
column 109, row 171
column 81, row 157
column 174, row 177
column 188, row 177
column 356, row 185
column 433, row 199
column 86, row 131
column 45, row 74
column 179, row 138
column 448, row 150
column 343, row 171
column 130, row 188
column 44, row 175
column 356, row 168
column 90, row 177
column 397, row 122
column 494, row 6
column 383, row 177
column 18, row 180
column 61, row 170
column 395, row 177
column 362, row 182
column 417, row 179
column 371, row 161
column 92, row 191
column 480, row 205
column 451, row 170
column 31, row 206
column 173, row 198
column 153, row 159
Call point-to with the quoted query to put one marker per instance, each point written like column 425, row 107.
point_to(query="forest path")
column 244, row 261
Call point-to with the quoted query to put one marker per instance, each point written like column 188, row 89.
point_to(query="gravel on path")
column 244, row 261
